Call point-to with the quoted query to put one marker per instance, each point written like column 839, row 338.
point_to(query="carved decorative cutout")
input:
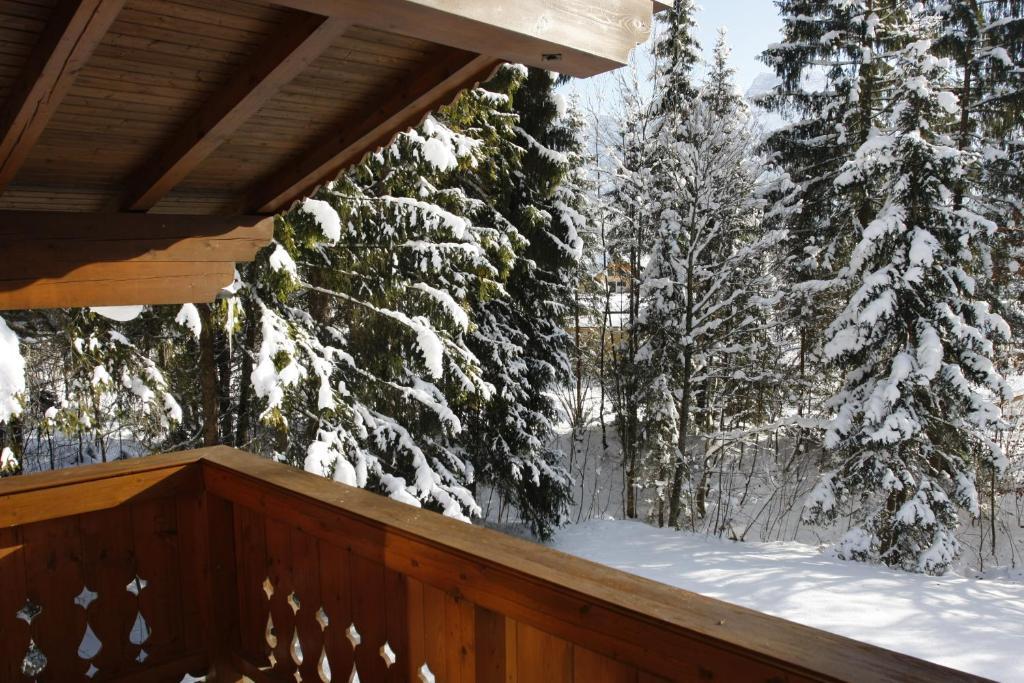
column 142, row 656
column 136, row 585
column 321, row 618
column 296, row 648
column 90, row 645
column 86, row 598
column 425, row 674
column 353, row 636
column 30, row 611
column 91, row 671
column 323, row 666
column 354, row 676
column 272, row 659
column 388, row 655
column 270, row 634
column 140, row 630
column 294, row 603
column 268, row 587
column 298, row 676
column 34, row 662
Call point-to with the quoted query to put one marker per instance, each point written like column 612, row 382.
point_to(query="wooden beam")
column 574, row 37
column 287, row 54
column 73, row 32
column 442, row 78
column 60, row 260
column 120, row 284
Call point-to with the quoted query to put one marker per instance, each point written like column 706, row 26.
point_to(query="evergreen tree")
column 915, row 412
column 703, row 279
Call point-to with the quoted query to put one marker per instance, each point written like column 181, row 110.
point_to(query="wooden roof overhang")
column 144, row 144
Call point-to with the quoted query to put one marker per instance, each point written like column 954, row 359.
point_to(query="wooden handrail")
column 262, row 553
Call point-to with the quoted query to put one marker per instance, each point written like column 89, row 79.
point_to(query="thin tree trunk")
column 208, row 377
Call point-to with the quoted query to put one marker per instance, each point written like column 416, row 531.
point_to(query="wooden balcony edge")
column 801, row 650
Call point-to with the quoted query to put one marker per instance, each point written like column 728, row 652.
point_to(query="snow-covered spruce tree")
column 916, row 410
column 521, row 338
column 703, row 280
column 635, row 200
column 12, row 389
column 830, row 92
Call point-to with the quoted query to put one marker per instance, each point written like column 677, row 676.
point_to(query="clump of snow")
column 12, row 373
column 188, row 317
column 964, row 623
column 325, row 216
column 121, row 314
column 282, row 260
column 8, row 461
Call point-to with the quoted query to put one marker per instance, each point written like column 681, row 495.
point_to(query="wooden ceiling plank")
column 440, row 80
column 72, row 33
column 285, row 57
column 574, row 37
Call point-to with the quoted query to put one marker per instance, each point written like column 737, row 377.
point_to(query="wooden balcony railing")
column 222, row 563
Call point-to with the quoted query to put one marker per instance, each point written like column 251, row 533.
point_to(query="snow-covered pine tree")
column 521, row 339
column 916, row 411
column 829, row 92
column 703, row 279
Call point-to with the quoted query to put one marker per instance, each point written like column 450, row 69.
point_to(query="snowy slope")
column 967, row 624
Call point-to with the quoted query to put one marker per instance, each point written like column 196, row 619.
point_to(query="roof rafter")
column 72, row 33
column 443, row 76
column 290, row 51
column 573, row 37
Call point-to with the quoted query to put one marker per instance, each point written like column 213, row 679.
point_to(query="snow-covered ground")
column 965, row 623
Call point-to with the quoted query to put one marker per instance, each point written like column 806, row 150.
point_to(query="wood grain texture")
column 442, row 77
column 286, row 55
column 67, row 42
column 576, row 37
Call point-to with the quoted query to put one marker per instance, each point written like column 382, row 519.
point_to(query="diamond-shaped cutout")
column 293, row 602
column 86, row 598
column 143, row 655
column 30, row 611
column 34, row 662
column 270, row 634
column 136, row 585
column 353, row 635
column 268, row 587
column 388, row 655
column 425, row 674
column 91, row 671
column 354, row 676
column 321, row 618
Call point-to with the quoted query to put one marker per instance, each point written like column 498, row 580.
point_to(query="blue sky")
column 752, row 25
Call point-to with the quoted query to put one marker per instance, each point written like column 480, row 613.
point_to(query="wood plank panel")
column 12, row 598
column 397, row 615
column 590, row 667
column 336, row 598
column 223, row 584
column 495, row 656
column 251, row 562
column 368, row 615
column 70, row 37
column 285, row 56
column 305, row 557
column 108, row 566
column 575, row 38
column 441, row 78
column 541, row 656
column 279, row 568
column 157, row 561
column 53, row 577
